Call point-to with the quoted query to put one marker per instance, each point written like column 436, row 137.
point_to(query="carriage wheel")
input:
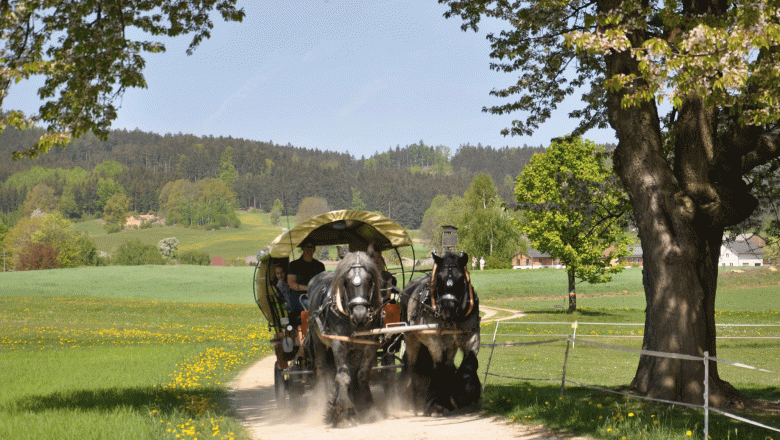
column 295, row 385
column 280, row 387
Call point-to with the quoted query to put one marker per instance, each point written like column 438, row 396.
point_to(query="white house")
column 741, row 252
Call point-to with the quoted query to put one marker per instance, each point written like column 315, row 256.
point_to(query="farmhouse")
column 744, row 251
column 534, row 259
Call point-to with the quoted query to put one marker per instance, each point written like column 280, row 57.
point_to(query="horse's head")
column 452, row 294
column 356, row 289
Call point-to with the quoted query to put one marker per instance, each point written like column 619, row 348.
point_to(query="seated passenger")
column 301, row 272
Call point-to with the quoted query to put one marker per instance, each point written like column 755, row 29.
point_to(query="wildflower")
column 688, row 433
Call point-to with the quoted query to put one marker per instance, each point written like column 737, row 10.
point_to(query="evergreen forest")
column 156, row 172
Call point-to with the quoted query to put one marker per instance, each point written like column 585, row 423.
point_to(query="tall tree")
column 716, row 62
column 487, row 229
column 82, row 50
column 575, row 210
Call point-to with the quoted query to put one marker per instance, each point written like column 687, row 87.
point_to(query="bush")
column 493, row 262
column 112, row 228
column 199, row 258
column 38, row 256
column 136, row 253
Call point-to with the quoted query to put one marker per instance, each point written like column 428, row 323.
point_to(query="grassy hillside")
column 254, row 234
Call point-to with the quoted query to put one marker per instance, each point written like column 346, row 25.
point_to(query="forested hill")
column 400, row 182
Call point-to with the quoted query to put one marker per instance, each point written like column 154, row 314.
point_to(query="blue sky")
column 356, row 76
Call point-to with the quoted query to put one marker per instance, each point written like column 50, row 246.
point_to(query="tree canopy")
column 689, row 172
column 87, row 58
column 574, row 210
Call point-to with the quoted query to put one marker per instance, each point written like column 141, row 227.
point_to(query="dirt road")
column 252, row 396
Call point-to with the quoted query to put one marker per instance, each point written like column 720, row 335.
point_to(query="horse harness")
column 427, row 301
column 333, row 304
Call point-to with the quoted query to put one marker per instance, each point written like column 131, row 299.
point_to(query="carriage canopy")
column 356, row 229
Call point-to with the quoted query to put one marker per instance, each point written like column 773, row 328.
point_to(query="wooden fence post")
column 492, row 349
column 565, row 361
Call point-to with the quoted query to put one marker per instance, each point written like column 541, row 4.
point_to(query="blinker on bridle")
column 450, row 283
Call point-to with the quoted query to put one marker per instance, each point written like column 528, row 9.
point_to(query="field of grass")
column 254, row 234
column 145, row 352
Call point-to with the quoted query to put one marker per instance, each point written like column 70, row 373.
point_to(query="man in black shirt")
column 301, row 271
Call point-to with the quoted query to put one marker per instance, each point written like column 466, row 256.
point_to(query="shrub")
column 168, row 247
column 112, row 228
column 37, row 256
column 136, row 253
column 493, row 262
column 199, row 258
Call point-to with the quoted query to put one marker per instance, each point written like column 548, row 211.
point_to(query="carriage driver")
column 301, row 272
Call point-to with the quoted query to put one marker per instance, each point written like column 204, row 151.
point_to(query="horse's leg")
column 361, row 397
column 340, row 408
column 418, row 375
column 324, row 373
column 440, row 378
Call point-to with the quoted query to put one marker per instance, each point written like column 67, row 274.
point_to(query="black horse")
column 448, row 299
column 340, row 303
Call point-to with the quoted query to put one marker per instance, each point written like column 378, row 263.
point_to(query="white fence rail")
column 572, row 339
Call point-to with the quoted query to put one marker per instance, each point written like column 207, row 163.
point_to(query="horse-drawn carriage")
column 357, row 231
column 355, row 319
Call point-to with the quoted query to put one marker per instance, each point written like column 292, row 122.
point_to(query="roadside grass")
column 99, row 368
column 748, row 312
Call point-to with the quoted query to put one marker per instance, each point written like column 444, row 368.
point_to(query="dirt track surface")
column 252, row 397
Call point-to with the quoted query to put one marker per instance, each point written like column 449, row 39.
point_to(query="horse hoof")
column 346, row 423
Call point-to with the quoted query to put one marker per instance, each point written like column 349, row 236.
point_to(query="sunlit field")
column 82, row 368
column 254, row 234
column 147, row 352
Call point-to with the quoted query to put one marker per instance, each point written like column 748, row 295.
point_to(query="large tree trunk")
column 681, row 219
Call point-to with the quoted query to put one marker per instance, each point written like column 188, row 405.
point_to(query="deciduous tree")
column 716, row 63
column 86, row 56
column 574, row 210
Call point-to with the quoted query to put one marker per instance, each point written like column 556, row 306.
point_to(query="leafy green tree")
column 276, row 212
column 107, row 188
column 716, row 63
column 46, row 236
column 83, row 52
column 116, row 209
column 487, row 228
column 109, row 169
column 357, row 203
column 40, row 197
column 575, row 210
column 311, row 206
column 216, row 205
column 137, row 253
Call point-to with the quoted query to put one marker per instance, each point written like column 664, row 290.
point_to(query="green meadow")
column 254, row 234
column 146, row 352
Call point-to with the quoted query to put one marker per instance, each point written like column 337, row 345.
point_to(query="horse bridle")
column 449, row 283
column 357, row 280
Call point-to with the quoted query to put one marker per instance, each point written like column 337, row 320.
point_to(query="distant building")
column 743, row 251
column 635, row 258
column 534, row 259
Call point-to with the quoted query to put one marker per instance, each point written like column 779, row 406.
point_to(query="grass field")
column 254, row 234
column 145, row 352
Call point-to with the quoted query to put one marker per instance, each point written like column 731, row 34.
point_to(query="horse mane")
column 346, row 263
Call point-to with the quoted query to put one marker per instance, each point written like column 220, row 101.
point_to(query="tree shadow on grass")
column 107, row 399
column 590, row 412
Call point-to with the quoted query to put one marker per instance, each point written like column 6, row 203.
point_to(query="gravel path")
column 252, row 397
